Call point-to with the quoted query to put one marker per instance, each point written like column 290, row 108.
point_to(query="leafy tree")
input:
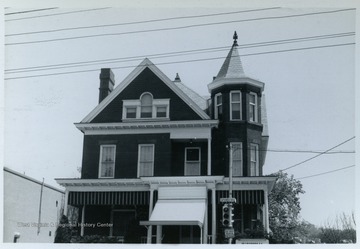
column 284, row 208
column 339, row 230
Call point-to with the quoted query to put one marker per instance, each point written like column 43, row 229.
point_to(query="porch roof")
column 144, row 183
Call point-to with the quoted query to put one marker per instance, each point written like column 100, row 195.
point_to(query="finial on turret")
column 235, row 39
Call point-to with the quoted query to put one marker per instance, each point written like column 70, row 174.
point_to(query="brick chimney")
column 107, row 82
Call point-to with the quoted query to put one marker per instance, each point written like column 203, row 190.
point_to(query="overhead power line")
column 185, row 61
column 311, row 158
column 28, row 11
column 327, row 172
column 312, row 151
column 175, row 28
column 56, row 14
column 176, row 53
column 140, row 22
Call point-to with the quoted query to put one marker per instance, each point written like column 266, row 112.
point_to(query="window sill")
column 144, row 119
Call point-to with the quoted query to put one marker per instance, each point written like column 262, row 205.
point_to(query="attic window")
column 146, row 105
column 145, row 108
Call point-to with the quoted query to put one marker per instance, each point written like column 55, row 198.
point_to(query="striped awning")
column 251, row 197
column 109, row 198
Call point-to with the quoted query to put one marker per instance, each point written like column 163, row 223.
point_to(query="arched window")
column 146, row 105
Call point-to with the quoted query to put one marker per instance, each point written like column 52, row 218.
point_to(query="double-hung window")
column 254, row 160
column 146, row 160
column 235, row 105
column 253, row 107
column 130, row 112
column 107, row 161
column 192, row 161
column 237, row 159
column 218, row 106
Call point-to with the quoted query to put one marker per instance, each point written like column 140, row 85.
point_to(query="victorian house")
column 157, row 157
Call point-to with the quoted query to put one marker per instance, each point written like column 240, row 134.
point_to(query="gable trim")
column 146, row 63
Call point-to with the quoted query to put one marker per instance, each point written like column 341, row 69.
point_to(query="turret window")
column 254, row 160
column 237, row 159
column 235, row 105
column 218, row 106
column 253, row 106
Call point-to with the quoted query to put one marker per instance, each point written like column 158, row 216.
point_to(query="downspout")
column 39, row 219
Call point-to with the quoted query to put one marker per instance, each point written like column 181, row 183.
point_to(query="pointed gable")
column 146, row 78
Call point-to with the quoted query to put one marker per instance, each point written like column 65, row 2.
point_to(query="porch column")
column 158, row 234
column 151, row 204
column 266, row 213
column 209, row 157
column 82, row 221
column 213, row 224
column 205, row 225
column 66, row 202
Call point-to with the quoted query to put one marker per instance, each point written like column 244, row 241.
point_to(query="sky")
column 309, row 83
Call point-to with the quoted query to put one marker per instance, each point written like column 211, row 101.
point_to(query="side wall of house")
column 21, row 210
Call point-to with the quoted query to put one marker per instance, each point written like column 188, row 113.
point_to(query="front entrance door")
column 189, row 235
column 122, row 220
column 181, row 234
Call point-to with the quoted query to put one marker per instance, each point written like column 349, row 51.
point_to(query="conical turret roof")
column 232, row 71
column 232, row 66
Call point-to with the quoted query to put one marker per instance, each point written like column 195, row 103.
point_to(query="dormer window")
column 145, row 108
column 146, row 105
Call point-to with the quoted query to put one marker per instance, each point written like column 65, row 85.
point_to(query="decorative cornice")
column 239, row 81
column 220, row 182
column 148, row 125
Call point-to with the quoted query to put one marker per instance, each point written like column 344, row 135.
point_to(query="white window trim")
column 231, row 102
column 232, row 144
column 100, row 160
column 216, row 114
column 257, row 164
column 255, row 109
column 153, row 156
column 137, row 103
column 186, row 148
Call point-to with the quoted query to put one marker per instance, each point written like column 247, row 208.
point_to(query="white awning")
column 178, row 212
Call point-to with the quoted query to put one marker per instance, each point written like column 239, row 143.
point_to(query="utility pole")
column 228, row 204
column 230, row 191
